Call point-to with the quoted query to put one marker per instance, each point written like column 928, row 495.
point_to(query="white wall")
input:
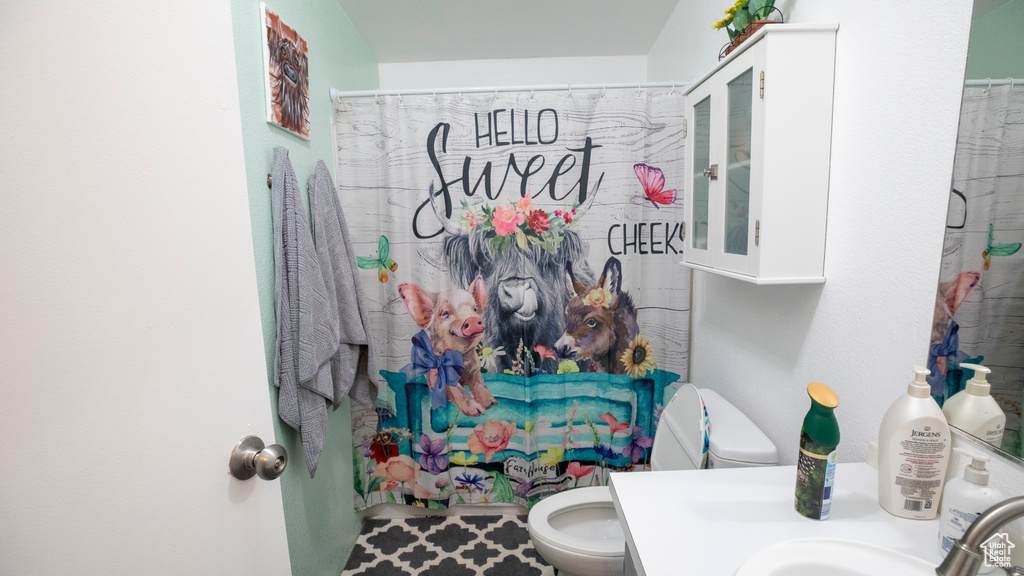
column 130, row 339
column 512, row 72
column 896, row 108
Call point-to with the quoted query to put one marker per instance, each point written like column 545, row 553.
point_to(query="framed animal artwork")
column 286, row 74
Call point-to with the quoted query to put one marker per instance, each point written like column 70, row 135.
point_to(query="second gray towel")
column 338, row 265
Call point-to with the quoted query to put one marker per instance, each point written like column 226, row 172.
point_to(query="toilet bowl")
column 578, row 531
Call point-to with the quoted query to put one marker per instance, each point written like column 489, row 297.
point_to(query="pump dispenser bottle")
column 974, row 410
column 964, row 500
column 913, row 452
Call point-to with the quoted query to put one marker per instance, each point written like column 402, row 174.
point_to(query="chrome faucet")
column 966, row 556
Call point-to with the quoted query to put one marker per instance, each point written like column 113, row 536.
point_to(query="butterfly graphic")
column 653, row 181
column 382, row 263
column 998, row 249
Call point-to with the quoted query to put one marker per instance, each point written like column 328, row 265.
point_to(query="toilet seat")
column 578, row 531
column 542, row 514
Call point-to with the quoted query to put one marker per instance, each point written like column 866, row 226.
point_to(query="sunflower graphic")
column 638, row 357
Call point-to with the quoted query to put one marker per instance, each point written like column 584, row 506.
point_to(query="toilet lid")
column 687, row 418
column 565, row 502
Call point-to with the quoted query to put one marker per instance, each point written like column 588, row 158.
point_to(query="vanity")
column 709, row 522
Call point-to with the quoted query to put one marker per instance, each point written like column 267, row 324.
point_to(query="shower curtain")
column 980, row 303
column 519, row 257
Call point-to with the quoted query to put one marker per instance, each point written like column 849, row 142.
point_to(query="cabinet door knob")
column 712, row 172
column 252, row 458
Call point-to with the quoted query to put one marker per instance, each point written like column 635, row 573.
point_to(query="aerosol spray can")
column 816, row 464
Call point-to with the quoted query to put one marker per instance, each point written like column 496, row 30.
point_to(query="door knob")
column 712, row 172
column 251, row 458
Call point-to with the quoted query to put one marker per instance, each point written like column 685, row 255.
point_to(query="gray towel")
column 306, row 336
column 338, row 265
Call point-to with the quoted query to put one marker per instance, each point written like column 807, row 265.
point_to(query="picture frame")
column 285, row 74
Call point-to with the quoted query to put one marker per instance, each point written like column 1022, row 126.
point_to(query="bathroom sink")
column 816, row 556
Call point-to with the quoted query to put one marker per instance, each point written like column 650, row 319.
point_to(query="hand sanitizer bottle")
column 964, row 500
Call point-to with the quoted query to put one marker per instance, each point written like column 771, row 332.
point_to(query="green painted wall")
column 321, row 522
column 997, row 43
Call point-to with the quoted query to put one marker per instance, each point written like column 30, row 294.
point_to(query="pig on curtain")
column 980, row 302
column 519, row 258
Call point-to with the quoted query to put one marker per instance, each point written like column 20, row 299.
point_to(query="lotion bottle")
column 974, row 410
column 913, row 453
column 964, row 500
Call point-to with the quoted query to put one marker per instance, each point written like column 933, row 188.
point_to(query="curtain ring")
column 435, row 93
column 989, row 86
column 531, row 93
column 673, row 90
column 570, row 90
column 639, row 88
column 401, row 99
column 376, row 96
column 1011, row 82
column 604, row 90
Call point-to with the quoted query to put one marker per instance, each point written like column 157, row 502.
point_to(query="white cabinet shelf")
column 758, row 135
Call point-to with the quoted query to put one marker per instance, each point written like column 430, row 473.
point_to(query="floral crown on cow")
column 521, row 224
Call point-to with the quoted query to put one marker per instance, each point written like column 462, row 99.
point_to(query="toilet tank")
column 735, row 441
column 726, row 438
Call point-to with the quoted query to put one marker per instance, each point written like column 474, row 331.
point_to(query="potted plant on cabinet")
column 743, row 19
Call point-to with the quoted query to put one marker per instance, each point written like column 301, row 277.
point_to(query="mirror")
column 979, row 309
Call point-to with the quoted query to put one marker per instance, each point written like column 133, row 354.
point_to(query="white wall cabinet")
column 758, row 133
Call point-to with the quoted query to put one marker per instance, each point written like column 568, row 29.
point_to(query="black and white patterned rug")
column 491, row 545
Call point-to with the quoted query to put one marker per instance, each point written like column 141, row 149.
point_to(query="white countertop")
column 709, row 522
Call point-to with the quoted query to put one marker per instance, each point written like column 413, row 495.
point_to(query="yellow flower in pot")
column 739, row 17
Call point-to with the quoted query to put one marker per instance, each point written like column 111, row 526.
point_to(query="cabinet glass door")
column 701, row 183
column 737, row 171
column 738, row 150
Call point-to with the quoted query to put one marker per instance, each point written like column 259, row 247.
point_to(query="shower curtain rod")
column 337, row 94
column 995, row 82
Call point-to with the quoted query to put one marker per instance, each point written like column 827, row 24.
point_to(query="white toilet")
column 578, row 531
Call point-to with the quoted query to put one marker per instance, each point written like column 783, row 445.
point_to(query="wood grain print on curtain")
column 519, row 263
column 980, row 302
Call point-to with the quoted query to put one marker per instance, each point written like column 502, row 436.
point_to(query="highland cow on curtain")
column 519, row 257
